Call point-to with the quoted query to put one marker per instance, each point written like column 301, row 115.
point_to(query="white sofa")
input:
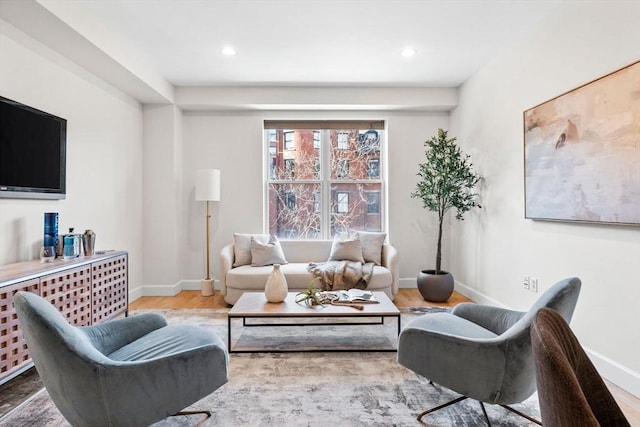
column 234, row 281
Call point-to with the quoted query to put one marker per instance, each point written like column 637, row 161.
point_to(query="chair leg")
column 203, row 412
column 484, row 411
column 522, row 414
column 444, row 405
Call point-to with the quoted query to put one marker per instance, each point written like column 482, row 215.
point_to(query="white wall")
column 495, row 247
column 104, row 154
column 232, row 142
column 163, row 203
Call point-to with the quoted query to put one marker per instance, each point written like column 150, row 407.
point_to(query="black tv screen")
column 32, row 152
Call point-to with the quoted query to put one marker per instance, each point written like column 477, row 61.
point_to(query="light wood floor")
column 405, row 298
column 193, row 299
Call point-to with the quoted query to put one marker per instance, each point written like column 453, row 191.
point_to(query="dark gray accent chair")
column 131, row 371
column 570, row 389
column 482, row 352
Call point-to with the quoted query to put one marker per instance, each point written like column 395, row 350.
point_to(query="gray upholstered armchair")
column 481, row 352
column 127, row 372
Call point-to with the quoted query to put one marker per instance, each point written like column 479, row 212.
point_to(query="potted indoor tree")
column 447, row 180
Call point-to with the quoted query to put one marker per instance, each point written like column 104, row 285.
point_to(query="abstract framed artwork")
column 582, row 152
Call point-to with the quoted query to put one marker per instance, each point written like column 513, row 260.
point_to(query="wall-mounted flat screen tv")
column 33, row 148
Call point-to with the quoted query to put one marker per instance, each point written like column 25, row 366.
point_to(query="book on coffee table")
column 353, row 296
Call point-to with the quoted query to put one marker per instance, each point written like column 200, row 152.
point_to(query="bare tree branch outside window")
column 323, row 178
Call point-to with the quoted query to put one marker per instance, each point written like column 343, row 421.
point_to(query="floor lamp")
column 207, row 189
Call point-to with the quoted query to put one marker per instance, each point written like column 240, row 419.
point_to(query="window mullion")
column 325, row 186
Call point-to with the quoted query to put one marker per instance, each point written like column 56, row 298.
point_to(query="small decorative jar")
column 276, row 288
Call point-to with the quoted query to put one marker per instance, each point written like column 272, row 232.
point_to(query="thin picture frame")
column 582, row 152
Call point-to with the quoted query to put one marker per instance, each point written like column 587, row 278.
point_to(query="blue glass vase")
column 51, row 229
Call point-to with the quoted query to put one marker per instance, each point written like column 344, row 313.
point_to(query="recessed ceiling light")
column 228, row 51
column 407, row 52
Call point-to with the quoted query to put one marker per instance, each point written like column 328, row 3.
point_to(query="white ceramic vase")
column 276, row 288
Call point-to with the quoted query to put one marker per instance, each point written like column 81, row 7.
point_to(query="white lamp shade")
column 208, row 185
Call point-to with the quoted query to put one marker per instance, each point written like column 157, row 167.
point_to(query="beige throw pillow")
column 372, row 246
column 242, row 247
column 266, row 253
column 346, row 248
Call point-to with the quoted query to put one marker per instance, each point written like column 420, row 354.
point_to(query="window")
column 343, row 141
column 325, row 182
column 316, row 201
column 373, row 170
column 373, row 202
column 289, row 141
column 342, row 202
column 273, row 143
column 272, row 168
column 343, row 168
column 289, row 168
column 290, row 199
column 316, row 168
column 369, row 141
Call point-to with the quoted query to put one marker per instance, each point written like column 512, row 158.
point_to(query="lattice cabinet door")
column 70, row 292
column 109, row 288
column 13, row 349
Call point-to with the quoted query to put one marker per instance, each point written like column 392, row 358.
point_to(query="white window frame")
column 326, row 182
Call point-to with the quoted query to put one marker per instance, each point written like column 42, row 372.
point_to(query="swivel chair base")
column 484, row 411
column 203, row 412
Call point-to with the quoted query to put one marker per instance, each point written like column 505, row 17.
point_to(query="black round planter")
column 435, row 287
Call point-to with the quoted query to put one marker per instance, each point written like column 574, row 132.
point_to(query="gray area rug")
column 310, row 389
column 19, row 389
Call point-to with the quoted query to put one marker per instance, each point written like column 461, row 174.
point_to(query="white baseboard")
column 162, row 290
column 407, row 283
column 476, row 296
column 194, row 285
column 134, row 294
column 191, row 285
column 472, row 294
column 167, row 290
column 618, row 374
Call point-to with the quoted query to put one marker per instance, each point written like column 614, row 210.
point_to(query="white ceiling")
column 314, row 42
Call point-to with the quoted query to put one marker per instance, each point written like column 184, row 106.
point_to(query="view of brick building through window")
column 324, row 181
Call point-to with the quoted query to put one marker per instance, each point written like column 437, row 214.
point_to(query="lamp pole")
column 208, row 190
column 208, row 220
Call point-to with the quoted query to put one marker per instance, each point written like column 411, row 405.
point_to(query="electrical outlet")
column 525, row 282
column 533, row 284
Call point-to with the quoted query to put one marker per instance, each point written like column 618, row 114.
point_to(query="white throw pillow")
column 346, row 248
column 242, row 247
column 372, row 246
column 266, row 253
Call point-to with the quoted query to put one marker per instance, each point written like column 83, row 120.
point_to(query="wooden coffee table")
column 254, row 305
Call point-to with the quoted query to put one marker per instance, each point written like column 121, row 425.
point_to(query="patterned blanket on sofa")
column 337, row 275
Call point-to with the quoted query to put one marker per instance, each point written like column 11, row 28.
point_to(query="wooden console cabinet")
column 86, row 290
